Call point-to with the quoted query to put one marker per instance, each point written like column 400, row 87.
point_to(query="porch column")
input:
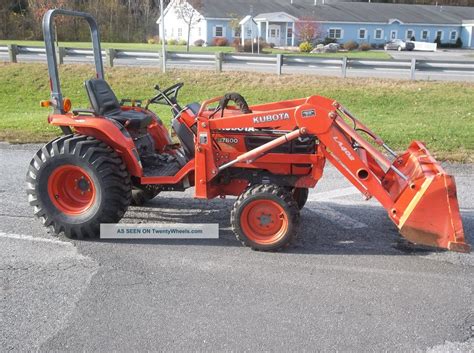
column 242, row 34
column 293, row 34
column 267, row 32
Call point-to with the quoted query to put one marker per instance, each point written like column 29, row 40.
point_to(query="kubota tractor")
column 268, row 155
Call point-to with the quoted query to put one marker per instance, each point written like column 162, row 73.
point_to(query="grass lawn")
column 372, row 54
column 438, row 113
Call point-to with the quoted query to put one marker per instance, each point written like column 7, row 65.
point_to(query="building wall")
column 467, row 36
column 249, row 30
column 212, row 26
column 351, row 32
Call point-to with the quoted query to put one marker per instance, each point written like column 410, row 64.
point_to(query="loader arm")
column 419, row 196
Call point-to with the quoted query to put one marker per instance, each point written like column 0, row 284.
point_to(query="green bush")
column 182, row 42
column 306, row 47
column 328, row 40
column 151, row 41
column 172, row 42
column 365, row 46
column 459, row 43
column 350, row 45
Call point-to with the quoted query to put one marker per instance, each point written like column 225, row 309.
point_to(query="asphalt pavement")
column 347, row 285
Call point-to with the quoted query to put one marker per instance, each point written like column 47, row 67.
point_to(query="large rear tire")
column 265, row 217
column 77, row 182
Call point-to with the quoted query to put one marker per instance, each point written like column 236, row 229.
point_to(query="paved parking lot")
column 347, row 285
column 440, row 54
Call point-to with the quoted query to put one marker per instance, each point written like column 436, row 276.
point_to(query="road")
column 332, row 71
column 345, row 286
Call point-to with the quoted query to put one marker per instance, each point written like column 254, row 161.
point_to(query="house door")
column 393, row 34
column 274, row 34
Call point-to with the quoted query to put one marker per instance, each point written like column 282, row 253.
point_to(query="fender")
column 105, row 131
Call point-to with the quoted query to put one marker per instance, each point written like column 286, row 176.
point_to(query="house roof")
column 246, row 19
column 341, row 11
column 275, row 17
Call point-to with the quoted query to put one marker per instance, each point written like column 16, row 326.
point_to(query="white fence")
column 238, row 61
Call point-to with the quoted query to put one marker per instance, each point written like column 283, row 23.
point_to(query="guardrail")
column 277, row 61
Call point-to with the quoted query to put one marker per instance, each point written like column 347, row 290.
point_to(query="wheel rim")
column 71, row 189
column 264, row 221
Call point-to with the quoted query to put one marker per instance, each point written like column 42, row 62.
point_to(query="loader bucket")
column 425, row 207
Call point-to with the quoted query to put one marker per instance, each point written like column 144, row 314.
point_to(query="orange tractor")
column 268, row 155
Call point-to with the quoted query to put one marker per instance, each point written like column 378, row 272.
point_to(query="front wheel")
column 77, row 182
column 265, row 217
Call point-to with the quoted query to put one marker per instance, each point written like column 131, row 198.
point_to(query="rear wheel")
column 265, row 217
column 77, row 182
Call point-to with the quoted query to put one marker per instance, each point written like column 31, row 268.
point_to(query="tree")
column 307, row 29
column 39, row 7
column 234, row 23
column 187, row 10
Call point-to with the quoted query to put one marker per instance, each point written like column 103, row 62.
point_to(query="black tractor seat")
column 105, row 103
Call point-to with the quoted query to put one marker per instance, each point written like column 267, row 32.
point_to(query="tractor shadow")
column 325, row 227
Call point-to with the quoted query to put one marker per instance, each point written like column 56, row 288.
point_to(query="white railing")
column 239, row 61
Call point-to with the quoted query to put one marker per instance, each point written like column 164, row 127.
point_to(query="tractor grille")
column 302, row 145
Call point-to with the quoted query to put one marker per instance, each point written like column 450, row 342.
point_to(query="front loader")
column 267, row 155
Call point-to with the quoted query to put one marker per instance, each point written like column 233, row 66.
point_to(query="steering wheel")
column 169, row 96
column 240, row 102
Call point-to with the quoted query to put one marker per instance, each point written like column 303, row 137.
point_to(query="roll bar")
column 49, row 37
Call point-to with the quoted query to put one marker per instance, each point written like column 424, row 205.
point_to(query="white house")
column 177, row 28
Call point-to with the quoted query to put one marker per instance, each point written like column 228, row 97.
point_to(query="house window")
column 218, row 31
column 409, row 34
column 425, row 34
column 199, row 31
column 439, row 34
column 249, row 32
column 362, row 33
column 378, row 34
column 453, row 35
column 289, row 33
column 335, row 33
column 180, row 32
